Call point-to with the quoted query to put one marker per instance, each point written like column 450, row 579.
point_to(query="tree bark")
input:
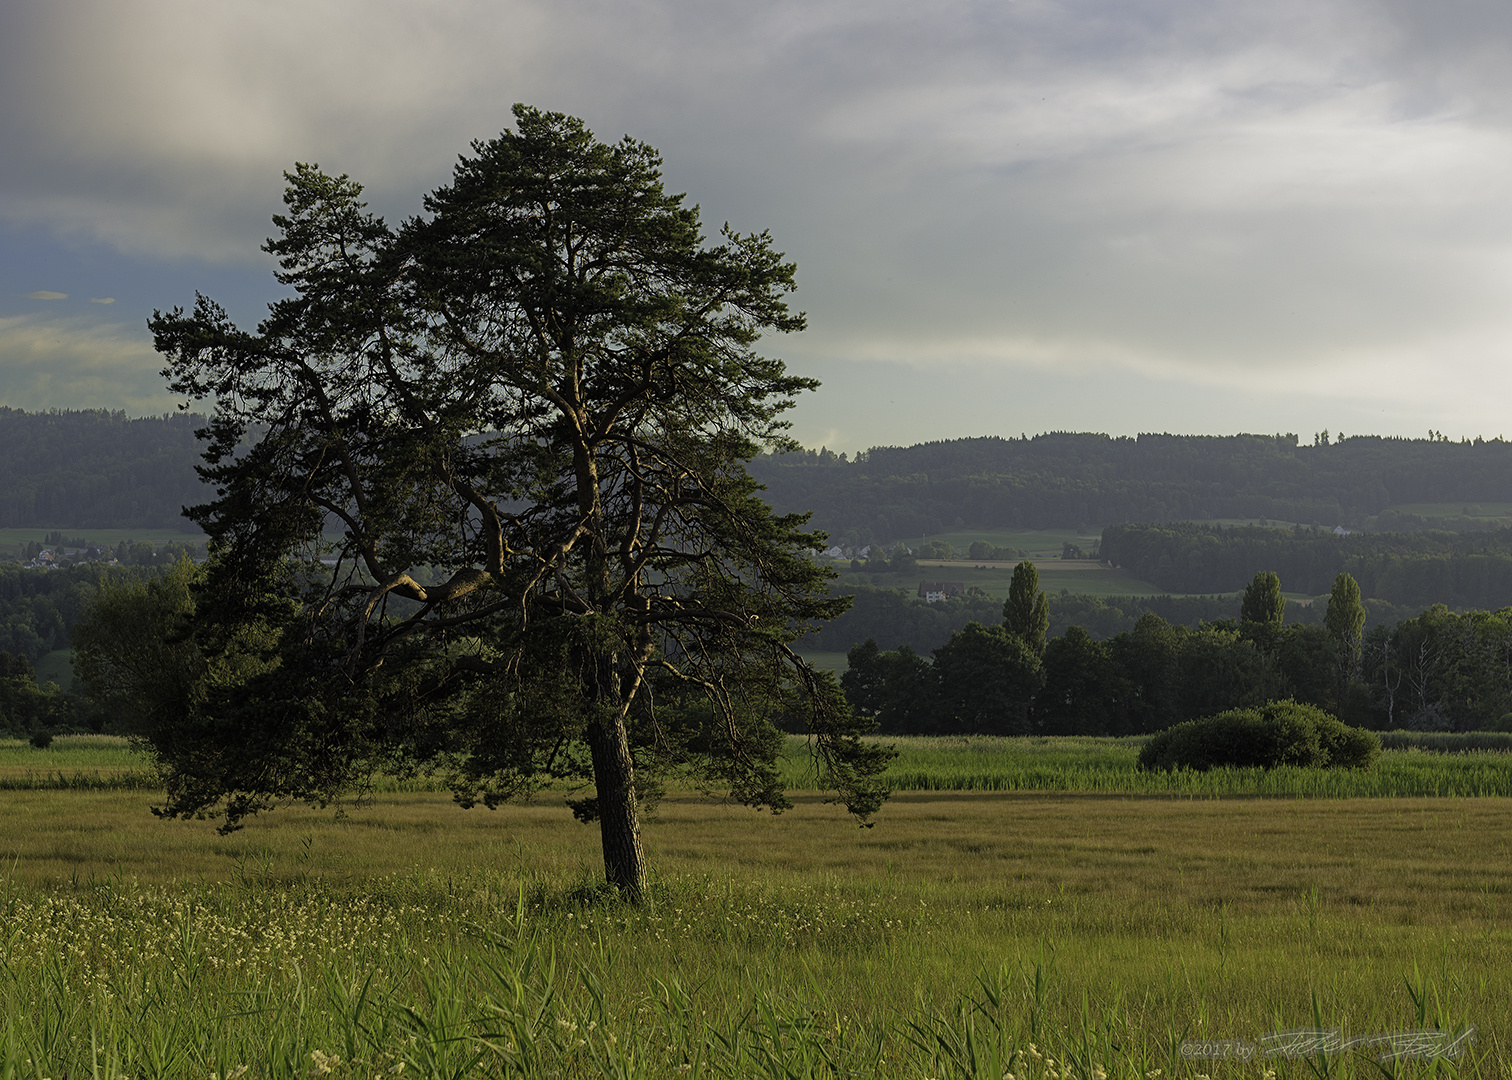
column 618, row 810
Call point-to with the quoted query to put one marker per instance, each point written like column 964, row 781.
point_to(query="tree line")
column 1071, row 480
column 896, row 617
column 1463, row 570
column 97, row 469
column 1435, row 671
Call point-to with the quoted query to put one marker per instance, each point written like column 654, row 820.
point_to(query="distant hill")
column 96, row 469
column 1065, row 480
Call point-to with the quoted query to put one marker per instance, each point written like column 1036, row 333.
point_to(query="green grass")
column 56, row 667
column 1078, row 577
column 1491, row 510
column 965, row 935
column 102, row 537
column 13, row 541
column 1110, row 767
column 828, row 661
column 1040, row 543
column 1419, row 764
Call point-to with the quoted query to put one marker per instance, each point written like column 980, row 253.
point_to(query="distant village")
column 54, row 553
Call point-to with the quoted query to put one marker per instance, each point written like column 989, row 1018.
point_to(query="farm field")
column 1085, row 576
column 1055, row 576
column 1490, row 511
column 965, row 934
column 14, row 541
column 1039, row 543
column 1464, row 765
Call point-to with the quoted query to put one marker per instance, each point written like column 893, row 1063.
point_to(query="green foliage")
column 25, row 707
column 1345, row 617
column 894, row 689
column 135, row 661
column 1067, row 480
column 987, row 678
column 525, row 416
column 1404, row 569
column 92, row 468
column 1262, row 601
column 42, row 740
column 1276, row 734
column 39, row 609
column 980, row 549
column 1026, row 612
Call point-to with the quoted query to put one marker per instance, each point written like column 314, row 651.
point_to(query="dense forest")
column 1438, row 671
column 1463, row 570
column 1064, row 480
column 96, row 469
column 894, row 618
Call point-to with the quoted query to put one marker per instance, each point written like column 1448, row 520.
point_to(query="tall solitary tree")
column 1026, row 612
column 1345, row 622
column 1263, row 602
column 481, row 479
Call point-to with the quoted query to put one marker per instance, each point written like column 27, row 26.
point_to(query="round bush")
column 1278, row 733
column 42, row 740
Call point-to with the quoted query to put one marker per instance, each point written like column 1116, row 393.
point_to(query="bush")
column 1278, row 733
column 42, row 740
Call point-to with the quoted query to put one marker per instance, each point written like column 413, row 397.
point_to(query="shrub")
column 42, row 740
column 1278, row 733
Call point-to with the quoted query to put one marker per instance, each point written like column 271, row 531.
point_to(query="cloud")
column 48, row 361
column 44, row 294
column 1218, row 194
column 102, row 299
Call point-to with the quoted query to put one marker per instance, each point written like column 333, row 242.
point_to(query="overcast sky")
column 1015, row 216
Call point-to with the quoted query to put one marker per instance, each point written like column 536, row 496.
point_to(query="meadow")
column 1055, row 576
column 1086, row 576
column 966, row 933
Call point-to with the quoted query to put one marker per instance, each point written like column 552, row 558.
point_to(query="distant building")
column 1340, row 530
column 932, row 591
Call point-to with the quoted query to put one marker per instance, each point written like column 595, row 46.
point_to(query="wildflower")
column 323, row 1063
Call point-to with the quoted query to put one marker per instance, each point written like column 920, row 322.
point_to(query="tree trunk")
column 618, row 811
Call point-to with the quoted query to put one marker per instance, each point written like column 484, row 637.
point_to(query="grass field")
column 1081, row 576
column 13, row 541
column 966, row 934
column 1039, row 543
column 1494, row 511
column 56, row 667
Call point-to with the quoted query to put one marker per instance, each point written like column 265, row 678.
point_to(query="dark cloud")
column 1197, row 195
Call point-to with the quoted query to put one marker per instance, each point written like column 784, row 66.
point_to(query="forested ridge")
column 97, row 469
column 1462, row 570
column 1067, row 480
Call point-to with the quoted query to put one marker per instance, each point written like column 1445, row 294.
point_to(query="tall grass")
column 1437, row 765
column 1110, row 766
column 484, row 975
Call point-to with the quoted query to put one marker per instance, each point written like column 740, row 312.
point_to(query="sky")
column 1008, row 217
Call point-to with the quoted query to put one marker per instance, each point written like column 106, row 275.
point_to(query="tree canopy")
column 495, row 516
column 1263, row 602
column 1026, row 612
